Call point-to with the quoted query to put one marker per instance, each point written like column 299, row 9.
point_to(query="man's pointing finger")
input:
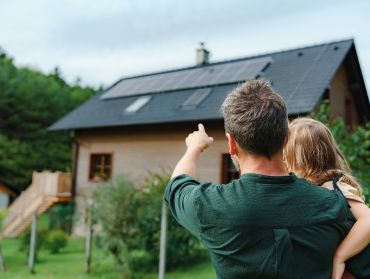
column 201, row 127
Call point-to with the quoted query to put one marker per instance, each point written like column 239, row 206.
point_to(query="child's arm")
column 355, row 241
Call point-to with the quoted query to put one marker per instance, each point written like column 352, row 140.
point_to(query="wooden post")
column 88, row 240
column 163, row 241
column 33, row 240
column 2, row 261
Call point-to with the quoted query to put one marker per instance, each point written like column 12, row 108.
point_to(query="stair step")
column 42, row 194
column 46, row 203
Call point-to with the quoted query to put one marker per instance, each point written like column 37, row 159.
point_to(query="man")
column 268, row 223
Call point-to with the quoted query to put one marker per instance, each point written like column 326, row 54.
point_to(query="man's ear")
column 232, row 144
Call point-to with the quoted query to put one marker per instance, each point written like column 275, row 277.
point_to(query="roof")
column 12, row 191
column 300, row 76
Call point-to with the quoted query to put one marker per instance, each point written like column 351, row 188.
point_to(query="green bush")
column 56, row 240
column 130, row 220
column 52, row 240
column 41, row 237
column 114, row 210
column 140, row 260
column 61, row 217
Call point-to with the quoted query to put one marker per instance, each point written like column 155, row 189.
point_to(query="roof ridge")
column 286, row 50
column 233, row 60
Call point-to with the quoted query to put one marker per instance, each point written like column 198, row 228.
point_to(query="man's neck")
column 262, row 165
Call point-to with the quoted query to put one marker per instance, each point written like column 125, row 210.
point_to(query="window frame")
column 225, row 168
column 348, row 110
column 90, row 174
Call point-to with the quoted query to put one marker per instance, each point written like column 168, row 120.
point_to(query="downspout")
column 75, row 154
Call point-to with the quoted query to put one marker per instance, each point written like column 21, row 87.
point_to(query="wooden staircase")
column 47, row 189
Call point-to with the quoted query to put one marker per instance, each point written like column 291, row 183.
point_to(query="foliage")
column 130, row 221
column 41, row 237
column 46, row 238
column 3, row 214
column 354, row 143
column 29, row 103
column 12, row 161
column 56, row 240
column 61, row 216
column 114, row 209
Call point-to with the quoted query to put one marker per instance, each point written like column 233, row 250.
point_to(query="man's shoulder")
column 185, row 183
column 296, row 190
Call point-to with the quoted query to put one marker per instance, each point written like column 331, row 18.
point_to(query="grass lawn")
column 69, row 263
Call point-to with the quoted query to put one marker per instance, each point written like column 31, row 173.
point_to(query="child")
column 312, row 153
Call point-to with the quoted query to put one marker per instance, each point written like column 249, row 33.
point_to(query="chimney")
column 202, row 55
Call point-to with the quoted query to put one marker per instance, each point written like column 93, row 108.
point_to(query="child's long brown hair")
column 311, row 152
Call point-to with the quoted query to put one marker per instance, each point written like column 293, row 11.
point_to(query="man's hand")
column 198, row 140
column 196, row 143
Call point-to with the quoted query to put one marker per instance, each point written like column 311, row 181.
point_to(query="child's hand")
column 338, row 268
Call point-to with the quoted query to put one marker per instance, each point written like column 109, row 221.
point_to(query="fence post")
column 163, row 241
column 88, row 239
column 33, row 240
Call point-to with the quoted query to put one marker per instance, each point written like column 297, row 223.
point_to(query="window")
column 137, row 104
column 229, row 171
column 196, row 98
column 100, row 166
column 348, row 112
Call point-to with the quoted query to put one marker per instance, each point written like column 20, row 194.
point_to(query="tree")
column 30, row 102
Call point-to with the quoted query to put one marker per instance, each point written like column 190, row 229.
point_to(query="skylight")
column 138, row 104
column 196, row 98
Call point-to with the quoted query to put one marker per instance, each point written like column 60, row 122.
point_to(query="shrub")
column 114, row 209
column 183, row 249
column 140, row 260
column 130, row 221
column 61, row 217
column 56, row 240
column 41, row 237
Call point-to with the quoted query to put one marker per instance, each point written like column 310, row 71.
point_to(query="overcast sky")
column 102, row 41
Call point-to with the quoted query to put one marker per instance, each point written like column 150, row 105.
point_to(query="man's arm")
column 196, row 142
column 182, row 192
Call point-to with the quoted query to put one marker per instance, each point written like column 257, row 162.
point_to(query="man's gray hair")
column 256, row 116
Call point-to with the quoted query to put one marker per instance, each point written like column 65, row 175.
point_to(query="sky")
column 99, row 42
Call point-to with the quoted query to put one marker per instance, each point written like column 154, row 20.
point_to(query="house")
column 139, row 123
column 7, row 195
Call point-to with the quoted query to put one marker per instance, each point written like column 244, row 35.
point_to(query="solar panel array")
column 189, row 78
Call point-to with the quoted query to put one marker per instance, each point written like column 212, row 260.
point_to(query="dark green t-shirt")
column 262, row 226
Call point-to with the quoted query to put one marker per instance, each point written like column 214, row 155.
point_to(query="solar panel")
column 210, row 75
column 196, row 98
column 137, row 104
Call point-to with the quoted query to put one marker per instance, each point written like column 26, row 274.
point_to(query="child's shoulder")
column 350, row 192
